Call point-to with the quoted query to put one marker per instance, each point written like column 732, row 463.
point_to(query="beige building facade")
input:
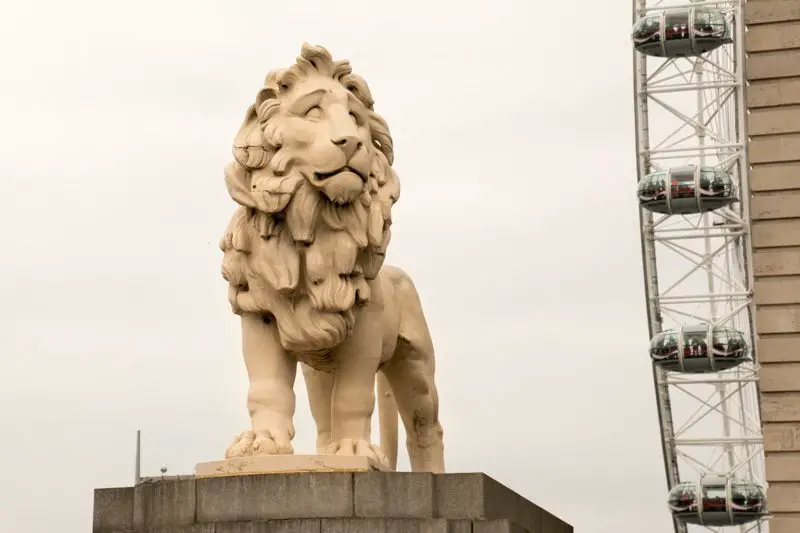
column 773, row 101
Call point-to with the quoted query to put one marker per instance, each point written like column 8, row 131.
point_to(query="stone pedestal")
column 322, row 502
column 285, row 464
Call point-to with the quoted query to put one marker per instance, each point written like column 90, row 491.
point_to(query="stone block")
column 785, row 523
column 479, row 497
column 193, row 528
column 113, row 510
column 770, row 93
column 164, row 503
column 776, row 262
column 768, row 37
column 459, row 526
column 269, row 526
column 497, row 526
column 776, row 205
column 770, row 65
column 780, row 407
column 780, row 377
column 783, row 497
column 323, row 502
column 780, row 349
column 275, row 496
column 775, row 177
column 767, row 11
column 774, row 148
column 778, row 319
column 398, row 495
column 777, row 291
column 383, row 525
column 774, row 233
column 774, row 120
column 782, row 437
column 783, row 466
column 353, row 525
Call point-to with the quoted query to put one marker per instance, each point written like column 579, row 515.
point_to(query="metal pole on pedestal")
column 138, row 466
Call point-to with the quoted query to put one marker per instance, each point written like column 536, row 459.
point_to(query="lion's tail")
column 388, row 420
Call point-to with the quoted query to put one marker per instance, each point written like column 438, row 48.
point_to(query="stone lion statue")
column 303, row 256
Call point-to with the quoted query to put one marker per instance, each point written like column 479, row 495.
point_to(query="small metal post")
column 138, row 466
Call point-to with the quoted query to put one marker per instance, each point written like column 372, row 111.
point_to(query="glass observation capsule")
column 717, row 501
column 687, row 350
column 682, row 32
column 686, row 190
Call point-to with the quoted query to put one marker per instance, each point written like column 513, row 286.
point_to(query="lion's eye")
column 314, row 112
column 354, row 117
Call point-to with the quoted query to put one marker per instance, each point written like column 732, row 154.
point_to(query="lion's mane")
column 289, row 252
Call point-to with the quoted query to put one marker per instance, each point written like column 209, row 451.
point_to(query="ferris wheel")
column 694, row 217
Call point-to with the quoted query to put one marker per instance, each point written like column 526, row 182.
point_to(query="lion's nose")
column 349, row 144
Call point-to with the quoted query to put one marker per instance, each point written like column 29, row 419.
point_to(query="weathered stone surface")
column 771, row 65
column 777, row 291
column 783, row 466
column 477, row 496
column 785, row 523
column 767, row 11
column 267, row 526
column 285, row 464
column 776, row 262
column 779, row 349
column 324, row 502
column 383, row 525
column 774, row 120
column 783, row 437
column 775, row 148
column 783, row 497
column 165, row 503
column 774, row 92
column 275, row 496
column 780, row 407
column 497, row 526
column 780, row 36
column 780, row 377
column 400, row 495
column 459, row 526
column 113, row 509
column 778, row 319
column 194, row 528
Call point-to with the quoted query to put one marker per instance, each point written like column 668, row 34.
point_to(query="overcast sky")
column 514, row 139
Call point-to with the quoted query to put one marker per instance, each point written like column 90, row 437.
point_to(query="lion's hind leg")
column 410, row 373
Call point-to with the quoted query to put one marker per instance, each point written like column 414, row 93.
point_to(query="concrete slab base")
column 285, row 464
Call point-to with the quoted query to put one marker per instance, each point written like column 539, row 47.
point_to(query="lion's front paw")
column 261, row 442
column 358, row 448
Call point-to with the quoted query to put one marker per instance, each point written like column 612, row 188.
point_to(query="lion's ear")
column 267, row 93
column 248, row 147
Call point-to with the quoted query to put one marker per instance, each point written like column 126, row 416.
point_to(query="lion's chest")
column 322, row 361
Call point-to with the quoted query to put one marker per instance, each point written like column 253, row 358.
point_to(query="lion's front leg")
column 353, row 399
column 320, row 390
column 271, row 399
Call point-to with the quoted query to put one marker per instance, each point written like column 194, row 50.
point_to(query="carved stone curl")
column 303, row 255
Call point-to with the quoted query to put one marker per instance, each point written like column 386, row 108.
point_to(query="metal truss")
column 697, row 268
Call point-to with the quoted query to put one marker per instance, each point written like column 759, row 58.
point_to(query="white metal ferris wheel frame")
column 730, row 286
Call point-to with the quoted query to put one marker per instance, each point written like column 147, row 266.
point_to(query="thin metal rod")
column 138, row 466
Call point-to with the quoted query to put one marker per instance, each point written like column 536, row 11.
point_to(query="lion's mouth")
column 322, row 176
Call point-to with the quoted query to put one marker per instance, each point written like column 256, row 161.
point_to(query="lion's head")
column 313, row 176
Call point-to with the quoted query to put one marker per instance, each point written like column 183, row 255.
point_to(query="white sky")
column 514, row 141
